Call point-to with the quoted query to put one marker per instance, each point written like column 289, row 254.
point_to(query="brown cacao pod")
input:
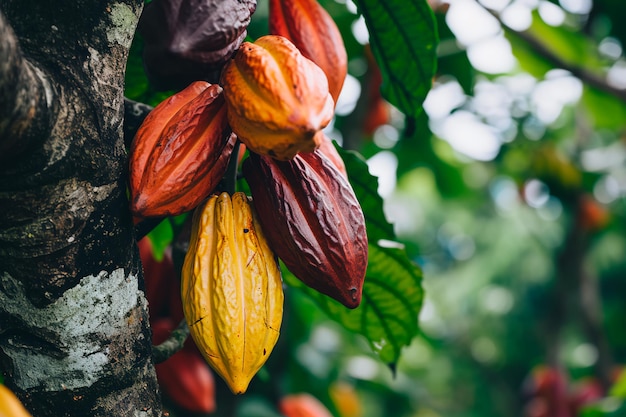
column 189, row 40
column 313, row 222
column 278, row 100
column 302, row 405
column 180, row 152
column 231, row 289
column 10, row 406
column 329, row 150
column 315, row 34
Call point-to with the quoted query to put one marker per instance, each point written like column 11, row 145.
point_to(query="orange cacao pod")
column 10, row 406
column 231, row 289
column 180, row 152
column 302, row 405
column 313, row 221
column 315, row 34
column 277, row 100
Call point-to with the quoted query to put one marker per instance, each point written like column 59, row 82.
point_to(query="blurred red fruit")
column 549, row 386
column 583, row 392
column 378, row 110
column 158, row 277
column 184, row 377
column 592, row 216
column 302, row 405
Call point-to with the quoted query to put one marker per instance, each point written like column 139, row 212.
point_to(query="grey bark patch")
column 98, row 307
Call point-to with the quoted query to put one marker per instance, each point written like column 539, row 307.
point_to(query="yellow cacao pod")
column 10, row 406
column 277, row 100
column 231, row 289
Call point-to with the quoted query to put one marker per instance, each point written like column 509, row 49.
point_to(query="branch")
column 588, row 77
column 26, row 97
column 579, row 284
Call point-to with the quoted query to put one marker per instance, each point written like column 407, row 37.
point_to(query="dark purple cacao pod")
column 190, row 40
column 312, row 221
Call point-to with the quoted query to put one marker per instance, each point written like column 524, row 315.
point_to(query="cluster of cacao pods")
column 275, row 95
column 549, row 392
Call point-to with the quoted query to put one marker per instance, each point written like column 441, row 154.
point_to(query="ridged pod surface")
column 231, row 289
column 314, row 32
column 180, row 152
column 188, row 40
column 329, row 150
column 313, row 222
column 278, row 100
column 10, row 406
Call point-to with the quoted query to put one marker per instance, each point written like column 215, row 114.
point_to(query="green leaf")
column 365, row 187
column 392, row 299
column 135, row 83
column 619, row 388
column 404, row 40
column 605, row 110
column 161, row 237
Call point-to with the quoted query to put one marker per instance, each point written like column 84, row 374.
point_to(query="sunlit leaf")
column 404, row 42
column 605, row 110
column 161, row 237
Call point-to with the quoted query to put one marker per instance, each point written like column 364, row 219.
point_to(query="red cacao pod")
column 178, row 157
column 302, row 405
column 312, row 221
column 189, row 40
column 184, row 377
column 315, row 34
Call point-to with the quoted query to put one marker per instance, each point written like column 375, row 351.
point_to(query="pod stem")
column 230, row 178
column 172, row 344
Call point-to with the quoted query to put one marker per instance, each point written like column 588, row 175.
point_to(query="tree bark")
column 74, row 333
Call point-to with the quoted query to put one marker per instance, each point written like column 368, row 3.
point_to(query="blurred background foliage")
column 508, row 190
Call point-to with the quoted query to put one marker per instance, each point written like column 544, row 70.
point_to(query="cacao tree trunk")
column 74, row 334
